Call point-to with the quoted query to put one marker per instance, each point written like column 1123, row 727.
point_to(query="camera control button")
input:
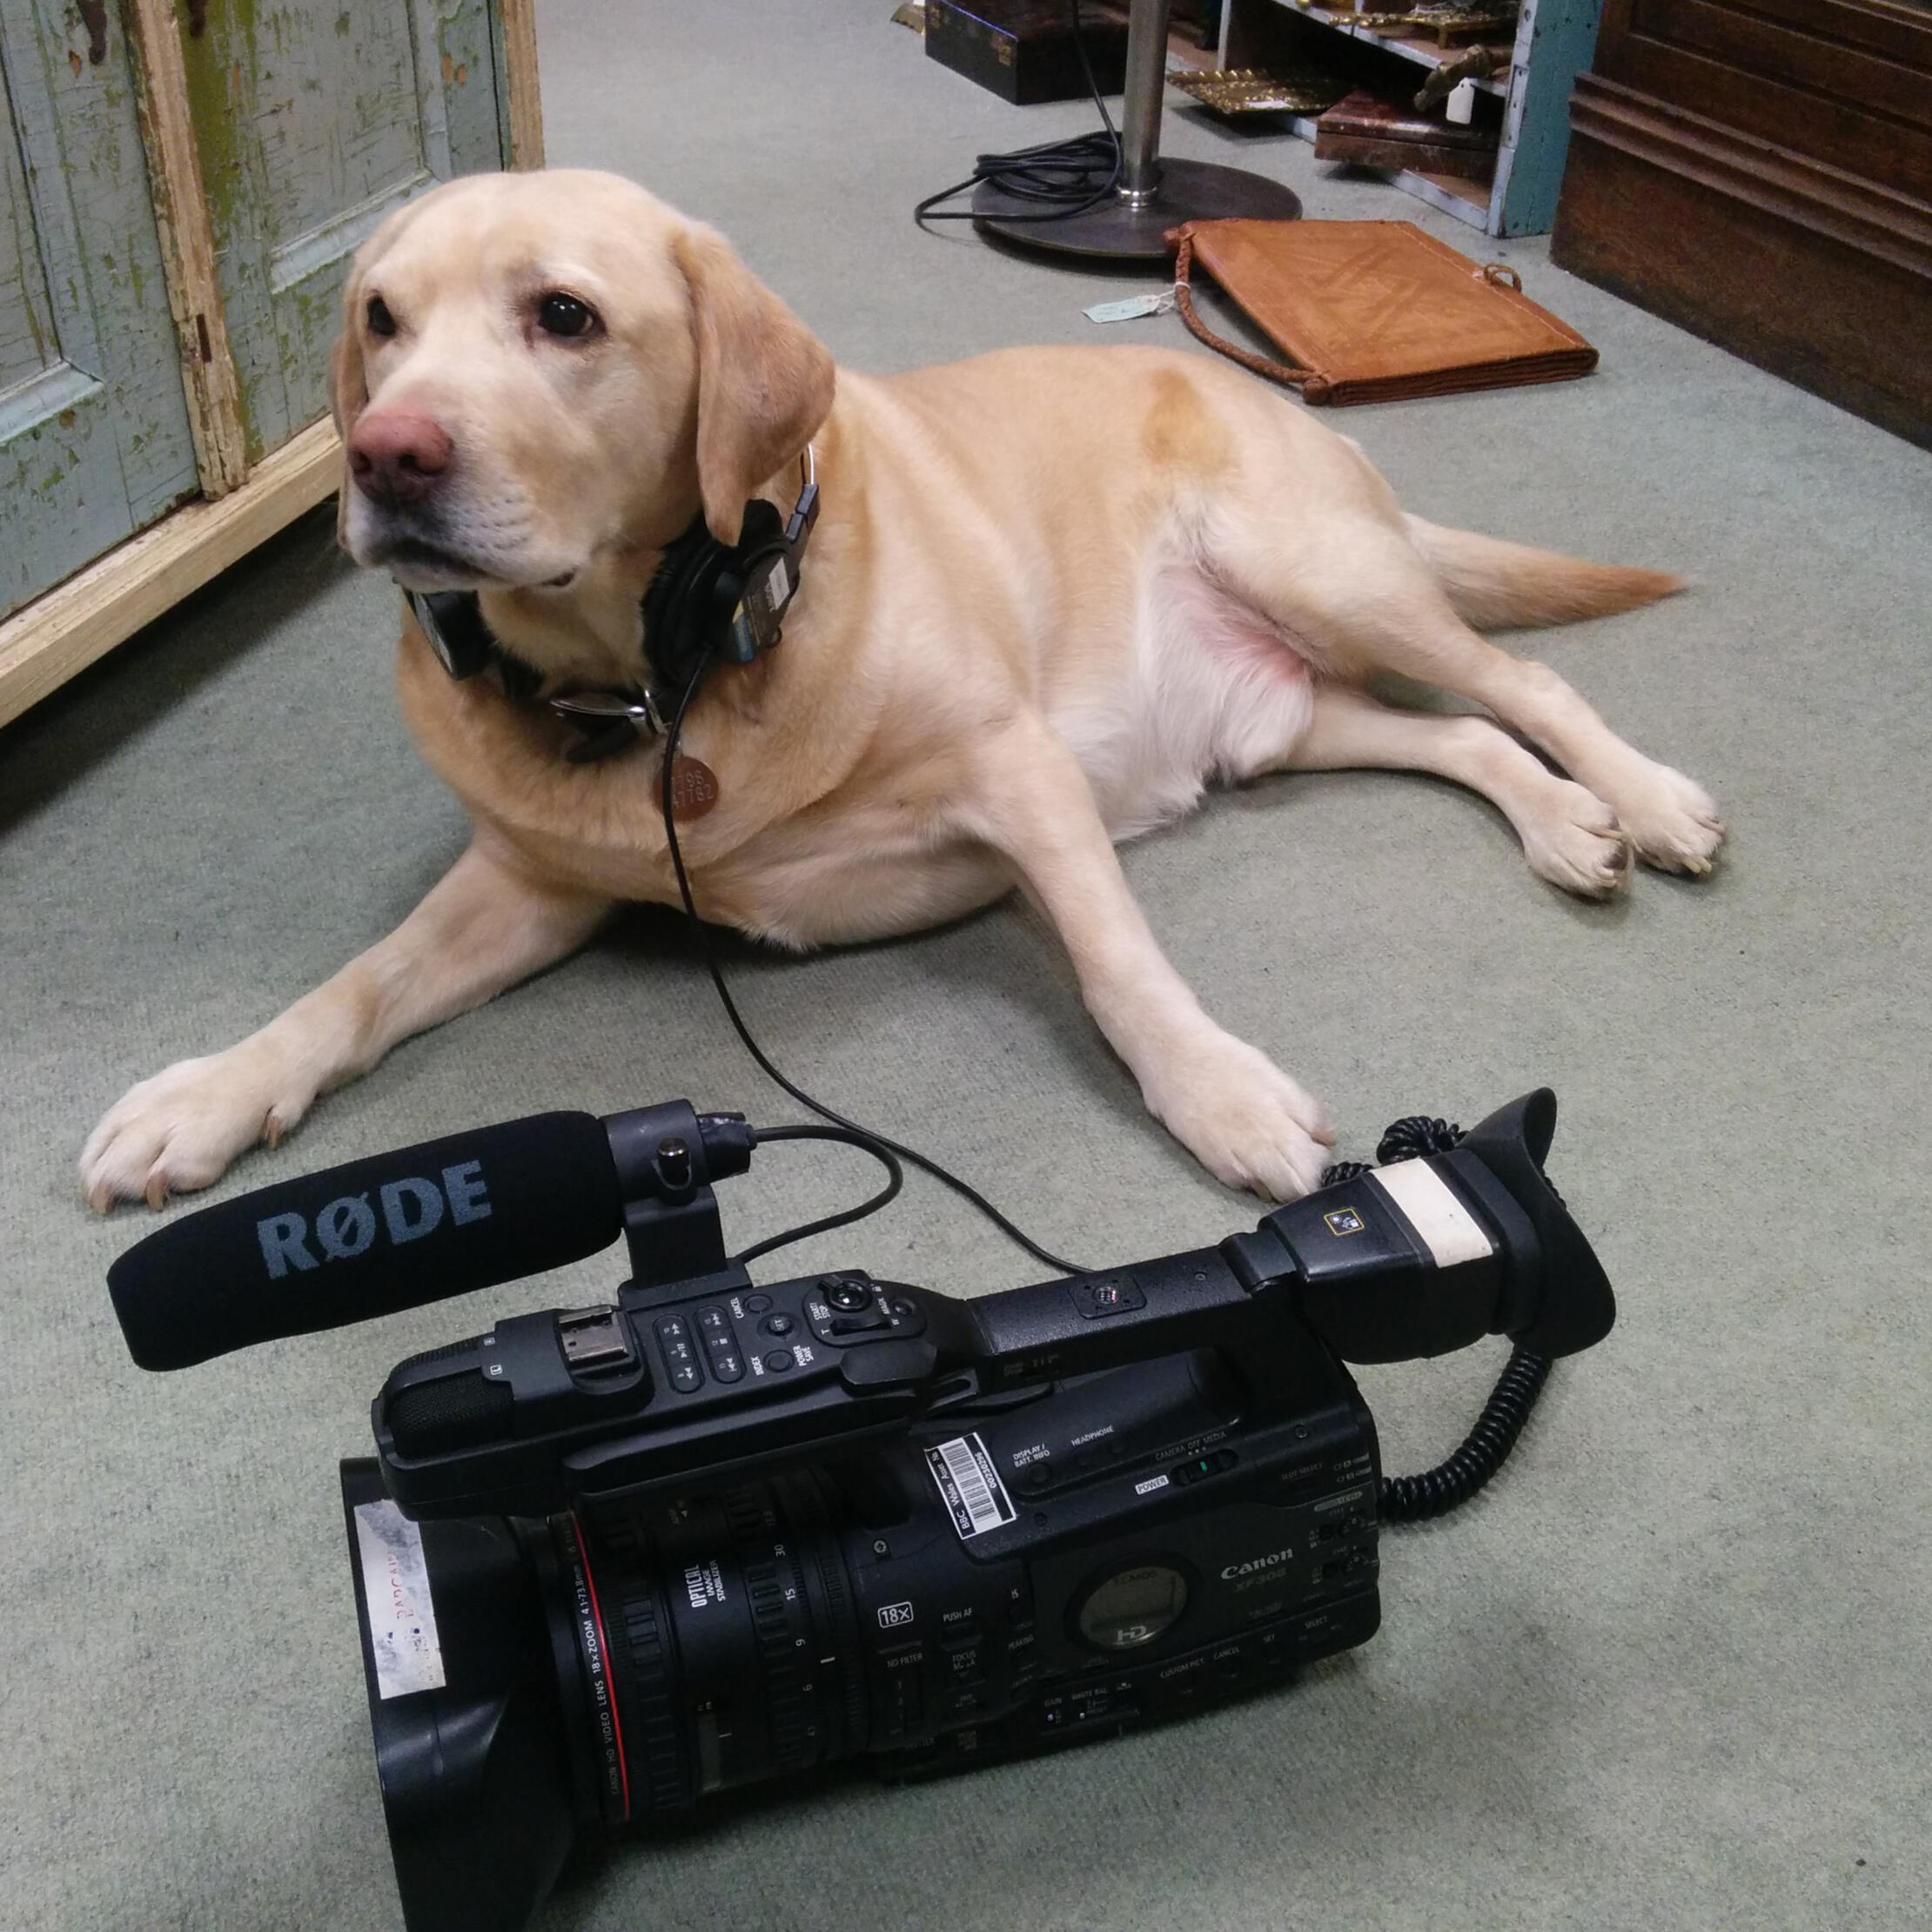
column 778, row 1324
column 778, row 1360
column 846, row 1295
column 756, row 1304
column 681, row 1357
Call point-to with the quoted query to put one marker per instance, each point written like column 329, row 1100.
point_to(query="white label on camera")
column 395, row 1585
column 970, row 1485
column 1148, row 1487
column 1447, row 1227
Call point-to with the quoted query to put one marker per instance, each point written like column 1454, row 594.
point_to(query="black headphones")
column 709, row 602
column 727, row 603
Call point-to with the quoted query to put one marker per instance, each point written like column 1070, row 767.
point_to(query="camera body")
column 1045, row 1563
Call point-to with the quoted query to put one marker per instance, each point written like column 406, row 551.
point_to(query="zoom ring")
column 780, row 1648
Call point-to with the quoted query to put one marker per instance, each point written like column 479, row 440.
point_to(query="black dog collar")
column 706, row 601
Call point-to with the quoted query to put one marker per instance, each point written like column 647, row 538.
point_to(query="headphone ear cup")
column 676, row 604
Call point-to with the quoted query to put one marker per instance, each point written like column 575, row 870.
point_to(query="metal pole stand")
column 1153, row 195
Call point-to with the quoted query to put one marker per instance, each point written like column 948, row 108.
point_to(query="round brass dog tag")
column 694, row 788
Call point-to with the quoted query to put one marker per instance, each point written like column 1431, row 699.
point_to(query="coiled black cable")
column 1486, row 1447
column 1435, row 1492
column 1062, row 178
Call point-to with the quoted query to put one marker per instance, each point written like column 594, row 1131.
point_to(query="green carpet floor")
column 1672, row 1672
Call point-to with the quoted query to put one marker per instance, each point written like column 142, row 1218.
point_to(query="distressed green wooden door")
column 94, row 436
column 313, row 119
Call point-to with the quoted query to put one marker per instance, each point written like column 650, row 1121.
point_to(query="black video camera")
column 610, row 1560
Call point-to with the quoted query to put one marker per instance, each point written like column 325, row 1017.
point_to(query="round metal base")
column 1189, row 190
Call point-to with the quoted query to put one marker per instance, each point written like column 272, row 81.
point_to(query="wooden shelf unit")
column 1553, row 41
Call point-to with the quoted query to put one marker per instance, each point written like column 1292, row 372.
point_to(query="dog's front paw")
column 180, row 1130
column 1242, row 1118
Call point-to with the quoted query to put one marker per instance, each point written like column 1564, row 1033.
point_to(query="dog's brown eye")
column 565, row 315
column 378, row 318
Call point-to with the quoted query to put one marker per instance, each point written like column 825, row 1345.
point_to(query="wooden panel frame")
column 66, row 630
column 187, row 248
column 69, row 628
column 520, row 82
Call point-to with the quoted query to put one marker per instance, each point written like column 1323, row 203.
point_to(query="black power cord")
column 895, row 1180
column 889, row 1152
column 1064, row 177
column 1483, row 1450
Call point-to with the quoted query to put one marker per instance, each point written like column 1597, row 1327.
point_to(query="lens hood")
column 476, row 1782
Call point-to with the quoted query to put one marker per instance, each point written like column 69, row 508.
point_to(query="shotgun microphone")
column 377, row 1235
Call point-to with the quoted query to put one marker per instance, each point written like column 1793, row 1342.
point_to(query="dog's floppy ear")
column 764, row 381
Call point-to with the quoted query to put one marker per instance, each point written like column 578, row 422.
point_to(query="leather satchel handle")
column 1313, row 384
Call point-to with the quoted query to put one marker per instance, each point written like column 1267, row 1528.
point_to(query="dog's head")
column 536, row 370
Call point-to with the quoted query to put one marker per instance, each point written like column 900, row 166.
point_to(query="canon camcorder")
column 610, row 1560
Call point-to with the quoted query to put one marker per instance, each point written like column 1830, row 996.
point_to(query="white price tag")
column 1131, row 308
column 395, row 1585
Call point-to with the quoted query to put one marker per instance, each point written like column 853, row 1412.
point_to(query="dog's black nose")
column 398, row 455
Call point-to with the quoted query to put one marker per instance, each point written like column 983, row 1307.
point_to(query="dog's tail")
column 1496, row 586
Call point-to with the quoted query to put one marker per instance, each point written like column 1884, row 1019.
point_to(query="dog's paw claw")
column 178, row 1132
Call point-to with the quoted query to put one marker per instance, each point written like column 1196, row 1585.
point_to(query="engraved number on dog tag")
column 694, row 788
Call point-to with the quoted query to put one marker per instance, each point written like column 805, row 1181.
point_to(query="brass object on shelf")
column 1234, row 90
column 1447, row 21
column 1473, row 63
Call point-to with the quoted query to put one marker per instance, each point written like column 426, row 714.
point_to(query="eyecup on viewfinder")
column 1571, row 1305
column 475, row 1779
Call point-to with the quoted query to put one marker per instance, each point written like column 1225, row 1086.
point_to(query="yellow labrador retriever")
column 1052, row 595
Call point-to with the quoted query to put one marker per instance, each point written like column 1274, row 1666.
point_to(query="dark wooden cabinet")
column 1761, row 171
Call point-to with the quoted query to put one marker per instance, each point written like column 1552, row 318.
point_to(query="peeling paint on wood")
column 87, row 345
column 312, row 121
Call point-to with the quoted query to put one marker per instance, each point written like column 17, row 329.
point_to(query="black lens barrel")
column 734, row 1649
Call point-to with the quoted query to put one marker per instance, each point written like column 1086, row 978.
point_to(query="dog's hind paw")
column 1242, row 1118
column 1578, row 843
column 1673, row 822
column 181, row 1130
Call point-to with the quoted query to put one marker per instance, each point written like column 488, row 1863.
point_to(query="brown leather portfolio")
column 1372, row 311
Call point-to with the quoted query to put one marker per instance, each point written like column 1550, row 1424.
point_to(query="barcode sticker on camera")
column 402, row 1643
column 970, row 1485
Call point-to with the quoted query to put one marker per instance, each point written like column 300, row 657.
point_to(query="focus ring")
column 657, row 1764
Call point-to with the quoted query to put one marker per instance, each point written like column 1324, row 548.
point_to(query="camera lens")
column 732, row 1647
